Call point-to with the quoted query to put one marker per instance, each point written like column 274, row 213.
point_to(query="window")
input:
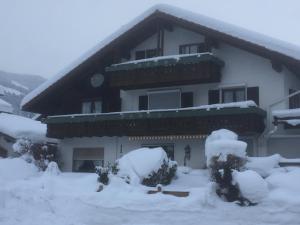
column 169, row 148
column 233, row 95
column 193, row 48
column 91, row 107
column 145, row 54
column 294, row 101
column 86, row 159
column 166, row 100
column 170, row 99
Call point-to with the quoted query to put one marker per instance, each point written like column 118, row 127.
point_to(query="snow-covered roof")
column 18, row 127
column 284, row 113
column 5, row 106
column 234, row 31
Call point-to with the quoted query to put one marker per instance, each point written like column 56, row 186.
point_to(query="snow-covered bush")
column 163, row 176
column 39, row 153
column 263, row 165
column 146, row 166
column 252, row 186
column 103, row 174
column 222, row 144
column 225, row 154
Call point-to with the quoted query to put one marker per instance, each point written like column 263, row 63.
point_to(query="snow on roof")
column 232, row 30
column 18, row 127
column 5, row 106
column 286, row 113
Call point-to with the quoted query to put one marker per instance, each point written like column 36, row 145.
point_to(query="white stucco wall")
column 112, row 147
column 172, row 41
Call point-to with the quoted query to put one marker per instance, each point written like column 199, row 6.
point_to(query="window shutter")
column 143, row 102
column 253, row 94
column 187, row 99
column 213, row 97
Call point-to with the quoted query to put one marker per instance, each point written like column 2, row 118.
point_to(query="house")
column 169, row 78
column 14, row 127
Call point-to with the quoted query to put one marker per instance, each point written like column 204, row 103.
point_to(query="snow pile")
column 5, row 106
column 293, row 122
column 222, row 143
column 242, row 104
column 140, row 163
column 285, row 186
column 263, row 165
column 16, row 169
column 251, row 185
column 52, row 169
column 286, row 113
column 22, row 127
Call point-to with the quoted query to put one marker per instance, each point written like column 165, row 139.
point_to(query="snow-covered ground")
column 31, row 197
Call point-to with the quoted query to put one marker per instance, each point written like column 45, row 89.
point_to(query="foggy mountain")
column 16, row 86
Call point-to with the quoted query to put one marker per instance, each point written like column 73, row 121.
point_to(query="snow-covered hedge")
column 145, row 166
column 39, row 153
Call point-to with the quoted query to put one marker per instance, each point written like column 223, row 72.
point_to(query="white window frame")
column 231, row 86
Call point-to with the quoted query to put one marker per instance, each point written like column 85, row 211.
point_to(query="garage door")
column 86, row 159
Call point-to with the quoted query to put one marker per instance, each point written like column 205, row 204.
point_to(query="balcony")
column 166, row 71
column 188, row 121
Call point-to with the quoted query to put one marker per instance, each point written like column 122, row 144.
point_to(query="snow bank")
column 252, row 186
column 222, row 143
column 263, row 165
column 285, row 186
column 140, row 163
column 5, row 106
column 16, row 169
column 19, row 127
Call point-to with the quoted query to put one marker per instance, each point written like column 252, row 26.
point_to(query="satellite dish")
column 97, row 80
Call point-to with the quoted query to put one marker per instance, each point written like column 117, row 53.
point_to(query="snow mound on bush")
column 52, row 169
column 222, row 143
column 16, row 169
column 140, row 163
column 251, row 185
column 263, row 165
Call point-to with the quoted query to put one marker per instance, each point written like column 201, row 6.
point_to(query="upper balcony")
column 166, row 71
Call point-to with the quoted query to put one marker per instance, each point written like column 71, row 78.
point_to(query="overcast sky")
column 44, row 36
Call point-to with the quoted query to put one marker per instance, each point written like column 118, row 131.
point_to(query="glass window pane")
column 194, row 49
column 86, row 107
column 98, row 107
column 240, row 95
column 164, row 100
column 227, row 96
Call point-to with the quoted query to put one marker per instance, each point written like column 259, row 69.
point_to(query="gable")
column 128, row 37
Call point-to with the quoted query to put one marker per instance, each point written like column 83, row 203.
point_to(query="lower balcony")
column 189, row 121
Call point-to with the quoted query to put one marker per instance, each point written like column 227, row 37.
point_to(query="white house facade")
column 169, row 80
